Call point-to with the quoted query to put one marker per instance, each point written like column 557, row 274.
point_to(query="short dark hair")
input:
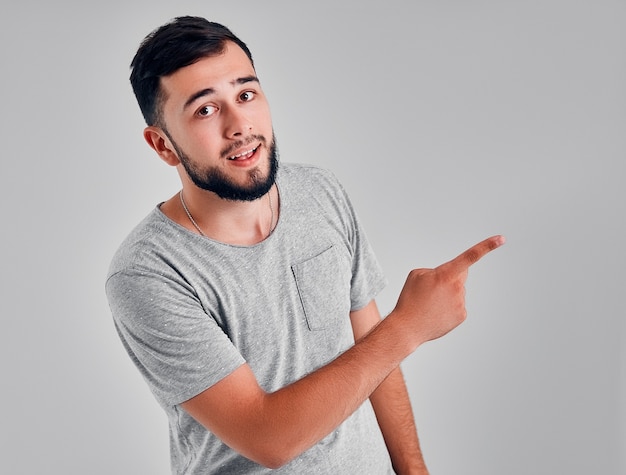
column 177, row 44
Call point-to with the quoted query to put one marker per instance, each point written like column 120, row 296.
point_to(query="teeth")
column 235, row 157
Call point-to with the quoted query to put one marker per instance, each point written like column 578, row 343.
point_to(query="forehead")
column 219, row 73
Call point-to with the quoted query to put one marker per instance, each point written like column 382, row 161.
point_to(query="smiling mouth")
column 244, row 155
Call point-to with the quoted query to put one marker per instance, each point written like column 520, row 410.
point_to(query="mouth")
column 244, row 155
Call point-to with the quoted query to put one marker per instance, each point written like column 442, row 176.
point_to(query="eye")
column 206, row 111
column 247, row 96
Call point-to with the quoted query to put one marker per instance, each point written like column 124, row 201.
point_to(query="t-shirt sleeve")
column 368, row 278
column 178, row 347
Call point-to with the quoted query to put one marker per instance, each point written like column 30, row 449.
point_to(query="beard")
column 215, row 180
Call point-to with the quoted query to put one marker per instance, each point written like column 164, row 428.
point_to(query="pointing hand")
column 432, row 301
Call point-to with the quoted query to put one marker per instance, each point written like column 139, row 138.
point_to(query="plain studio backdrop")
column 447, row 122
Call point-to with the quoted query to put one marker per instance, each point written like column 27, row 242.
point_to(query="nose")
column 236, row 123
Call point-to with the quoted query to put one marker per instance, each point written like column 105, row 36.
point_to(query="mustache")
column 228, row 151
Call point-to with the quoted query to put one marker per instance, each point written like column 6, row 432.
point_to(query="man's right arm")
column 273, row 428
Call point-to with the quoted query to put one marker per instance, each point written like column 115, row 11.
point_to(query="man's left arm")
column 392, row 405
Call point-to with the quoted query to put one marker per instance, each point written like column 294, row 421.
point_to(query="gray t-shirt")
column 190, row 310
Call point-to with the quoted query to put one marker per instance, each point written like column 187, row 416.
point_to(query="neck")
column 231, row 222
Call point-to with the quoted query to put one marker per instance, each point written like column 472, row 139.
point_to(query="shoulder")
column 143, row 245
column 311, row 189
column 296, row 171
column 310, row 179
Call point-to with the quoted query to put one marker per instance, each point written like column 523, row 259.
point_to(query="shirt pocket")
column 323, row 283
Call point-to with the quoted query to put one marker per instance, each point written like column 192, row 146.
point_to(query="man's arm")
column 273, row 428
column 392, row 406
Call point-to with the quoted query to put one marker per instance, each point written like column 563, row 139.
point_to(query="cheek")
column 202, row 140
column 264, row 120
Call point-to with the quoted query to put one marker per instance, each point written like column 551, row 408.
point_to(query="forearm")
column 301, row 414
column 395, row 417
column 273, row 428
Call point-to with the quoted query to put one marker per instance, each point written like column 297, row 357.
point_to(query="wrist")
column 403, row 332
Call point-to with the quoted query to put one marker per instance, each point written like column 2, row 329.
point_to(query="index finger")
column 474, row 254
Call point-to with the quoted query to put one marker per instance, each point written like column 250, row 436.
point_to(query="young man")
column 247, row 299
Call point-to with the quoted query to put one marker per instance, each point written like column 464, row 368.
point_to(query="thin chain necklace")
column 193, row 221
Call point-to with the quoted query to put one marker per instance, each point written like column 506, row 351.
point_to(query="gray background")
column 447, row 121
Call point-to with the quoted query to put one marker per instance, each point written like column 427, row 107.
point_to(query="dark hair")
column 177, row 44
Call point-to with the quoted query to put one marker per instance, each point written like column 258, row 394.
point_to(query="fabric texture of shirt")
column 190, row 310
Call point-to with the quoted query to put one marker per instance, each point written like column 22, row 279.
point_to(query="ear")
column 161, row 144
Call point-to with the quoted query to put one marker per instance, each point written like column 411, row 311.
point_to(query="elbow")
column 274, row 459
column 272, row 454
column 274, row 463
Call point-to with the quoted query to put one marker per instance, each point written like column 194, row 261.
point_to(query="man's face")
column 218, row 121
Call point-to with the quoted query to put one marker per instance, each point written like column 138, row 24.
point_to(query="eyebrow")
column 209, row 90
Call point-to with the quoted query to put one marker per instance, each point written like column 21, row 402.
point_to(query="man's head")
column 177, row 44
column 207, row 115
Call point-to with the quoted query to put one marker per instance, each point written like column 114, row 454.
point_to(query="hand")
column 432, row 301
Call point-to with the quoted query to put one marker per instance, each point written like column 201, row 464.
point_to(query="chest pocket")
column 323, row 285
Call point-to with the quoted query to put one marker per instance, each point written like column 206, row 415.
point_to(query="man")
column 240, row 298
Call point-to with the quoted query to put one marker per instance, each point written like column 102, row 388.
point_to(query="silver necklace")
column 193, row 221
